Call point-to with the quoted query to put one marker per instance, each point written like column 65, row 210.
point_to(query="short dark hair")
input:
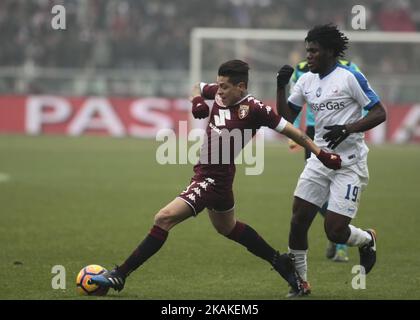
column 236, row 70
column 329, row 37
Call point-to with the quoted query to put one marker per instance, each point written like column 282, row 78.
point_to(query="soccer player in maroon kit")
column 211, row 186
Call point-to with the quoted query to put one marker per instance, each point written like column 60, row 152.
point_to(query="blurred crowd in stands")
column 155, row 34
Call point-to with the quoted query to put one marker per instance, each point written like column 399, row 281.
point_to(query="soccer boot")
column 110, row 279
column 341, row 254
column 305, row 290
column 368, row 252
column 330, row 252
column 284, row 264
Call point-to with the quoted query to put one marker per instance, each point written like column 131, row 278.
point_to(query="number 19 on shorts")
column 352, row 192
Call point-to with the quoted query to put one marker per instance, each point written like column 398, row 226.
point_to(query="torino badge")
column 243, row 111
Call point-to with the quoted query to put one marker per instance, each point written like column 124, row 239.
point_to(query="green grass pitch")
column 91, row 200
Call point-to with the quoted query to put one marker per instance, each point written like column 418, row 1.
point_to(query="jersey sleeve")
column 296, row 99
column 265, row 116
column 208, row 90
column 361, row 91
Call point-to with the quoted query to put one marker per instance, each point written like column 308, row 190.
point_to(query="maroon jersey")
column 228, row 131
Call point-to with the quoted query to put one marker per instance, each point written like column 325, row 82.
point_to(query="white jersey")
column 336, row 99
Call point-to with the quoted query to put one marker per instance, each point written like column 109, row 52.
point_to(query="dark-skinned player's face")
column 319, row 58
column 230, row 93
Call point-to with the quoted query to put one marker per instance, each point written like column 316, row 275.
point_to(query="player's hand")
column 330, row 160
column 292, row 145
column 283, row 76
column 200, row 109
column 336, row 135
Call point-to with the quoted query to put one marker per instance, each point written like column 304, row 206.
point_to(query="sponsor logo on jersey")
column 243, row 111
column 329, row 105
column 213, row 127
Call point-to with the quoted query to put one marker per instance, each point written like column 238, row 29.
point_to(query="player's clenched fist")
column 283, row 76
column 200, row 109
column 330, row 160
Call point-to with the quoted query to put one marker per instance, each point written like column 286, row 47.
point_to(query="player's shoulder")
column 347, row 63
column 351, row 77
column 350, row 73
column 255, row 105
column 251, row 101
column 307, row 76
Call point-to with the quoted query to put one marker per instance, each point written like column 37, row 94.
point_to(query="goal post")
column 237, row 35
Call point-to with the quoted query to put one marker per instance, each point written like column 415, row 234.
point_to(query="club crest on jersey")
column 318, row 92
column 243, row 111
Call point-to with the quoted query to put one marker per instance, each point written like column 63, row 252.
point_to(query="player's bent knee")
column 300, row 222
column 165, row 219
column 224, row 230
column 336, row 235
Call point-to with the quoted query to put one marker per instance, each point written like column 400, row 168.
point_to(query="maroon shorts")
column 205, row 192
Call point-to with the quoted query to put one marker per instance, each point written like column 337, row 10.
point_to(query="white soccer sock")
column 301, row 264
column 358, row 237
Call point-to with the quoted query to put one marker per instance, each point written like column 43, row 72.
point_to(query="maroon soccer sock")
column 248, row 237
column 149, row 246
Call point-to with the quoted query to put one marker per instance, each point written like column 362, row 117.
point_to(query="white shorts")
column 341, row 188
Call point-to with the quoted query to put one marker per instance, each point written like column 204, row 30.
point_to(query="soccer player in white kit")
column 336, row 94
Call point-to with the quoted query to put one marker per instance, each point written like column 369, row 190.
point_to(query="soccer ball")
column 83, row 285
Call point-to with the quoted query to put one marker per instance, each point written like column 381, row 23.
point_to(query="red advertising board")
column 144, row 117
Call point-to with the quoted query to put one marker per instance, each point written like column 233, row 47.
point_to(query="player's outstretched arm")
column 330, row 160
column 375, row 116
column 338, row 133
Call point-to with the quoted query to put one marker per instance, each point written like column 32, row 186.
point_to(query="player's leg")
column 345, row 192
column 311, row 193
column 337, row 252
column 303, row 214
column 331, row 246
column 226, row 224
column 167, row 217
column 339, row 255
column 340, row 231
column 221, row 213
column 337, row 227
